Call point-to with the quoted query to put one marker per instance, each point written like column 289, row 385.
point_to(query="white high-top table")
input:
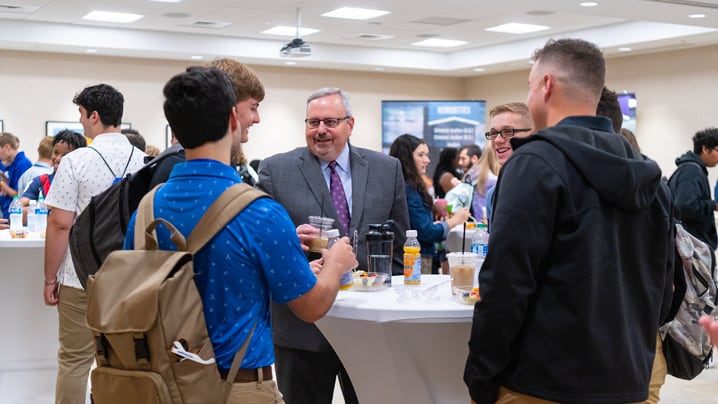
column 28, row 328
column 402, row 350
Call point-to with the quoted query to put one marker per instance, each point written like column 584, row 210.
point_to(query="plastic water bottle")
column 31, row 216
column 480, row 241
column 347, row 280
column 41, row 216
column 412, row 259
column 15, row 211
column 480, row 246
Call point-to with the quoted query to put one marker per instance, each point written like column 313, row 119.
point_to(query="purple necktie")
column 339, row 198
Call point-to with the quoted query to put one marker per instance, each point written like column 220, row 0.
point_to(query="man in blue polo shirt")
column 13, row 164
column 257, row 256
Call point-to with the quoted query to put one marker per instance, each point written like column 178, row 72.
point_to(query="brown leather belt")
column 248, row 375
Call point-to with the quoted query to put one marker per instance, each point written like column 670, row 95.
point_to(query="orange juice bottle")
column 412, row 259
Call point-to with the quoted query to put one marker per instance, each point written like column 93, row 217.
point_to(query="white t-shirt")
column 82, row 174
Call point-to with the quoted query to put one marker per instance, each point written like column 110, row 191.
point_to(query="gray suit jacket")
column 295, row 180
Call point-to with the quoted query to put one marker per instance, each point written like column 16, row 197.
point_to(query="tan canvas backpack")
column 146, row 314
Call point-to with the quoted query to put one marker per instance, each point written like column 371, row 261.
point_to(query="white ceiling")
column 166, row 31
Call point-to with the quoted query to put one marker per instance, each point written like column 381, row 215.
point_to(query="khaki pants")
column 77, row 347
column 507, row 396
column 259, row 392
column 658, row 374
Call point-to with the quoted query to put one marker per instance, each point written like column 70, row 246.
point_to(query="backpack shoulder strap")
column 222, row 211
column 104, row 161
column 129, row 159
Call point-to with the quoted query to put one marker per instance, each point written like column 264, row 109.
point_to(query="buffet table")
column 405, row 344
column 28, row 332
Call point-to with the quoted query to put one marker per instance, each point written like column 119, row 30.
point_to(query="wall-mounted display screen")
column 440, row 123
column 627, row 101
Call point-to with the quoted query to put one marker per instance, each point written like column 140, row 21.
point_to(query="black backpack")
column 101, row 226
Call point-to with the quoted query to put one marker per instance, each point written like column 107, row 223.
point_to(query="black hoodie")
column 692, row 198
column 579, row 270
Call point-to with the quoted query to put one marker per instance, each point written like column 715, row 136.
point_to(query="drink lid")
column 411, row 233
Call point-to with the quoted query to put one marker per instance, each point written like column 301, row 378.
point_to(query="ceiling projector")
column 297, row 48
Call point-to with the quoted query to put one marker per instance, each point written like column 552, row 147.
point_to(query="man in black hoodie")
column 691, row 190
column 579, row 270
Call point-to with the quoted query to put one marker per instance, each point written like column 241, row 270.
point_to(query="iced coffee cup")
column 462, row 269
column 324, row 224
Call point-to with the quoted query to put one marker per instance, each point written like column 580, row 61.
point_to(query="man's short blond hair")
column 9, row 138
column 513, row 107
column 244, row 80
column 44, row 149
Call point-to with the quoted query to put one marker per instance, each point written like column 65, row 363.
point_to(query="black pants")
column 306, row 377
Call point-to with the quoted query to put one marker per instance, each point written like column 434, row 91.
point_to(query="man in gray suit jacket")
column 306, row 364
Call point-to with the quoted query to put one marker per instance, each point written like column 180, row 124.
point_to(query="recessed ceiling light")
column 90, row 50
column 290, row 63
column 516, row 28
column 624, row 49
column 173, row 14
column 696, row 16
column 108, row 16
column 166, row 1
column 355, row 13
column 283, row 30
column 197, row 57
column 439, row 43
column 588, row 4
column 479, row 69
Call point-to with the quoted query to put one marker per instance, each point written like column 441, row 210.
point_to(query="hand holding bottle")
column 460, row 216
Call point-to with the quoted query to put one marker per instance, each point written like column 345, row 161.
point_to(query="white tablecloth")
column 28, row 328
column 400, row 346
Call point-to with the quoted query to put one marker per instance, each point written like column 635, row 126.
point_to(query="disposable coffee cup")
column 324, row 224
column 462, row 269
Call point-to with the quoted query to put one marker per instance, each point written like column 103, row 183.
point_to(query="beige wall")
column 36, row 87
column 675, row 92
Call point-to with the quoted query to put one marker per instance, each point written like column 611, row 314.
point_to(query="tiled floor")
column 701, row 390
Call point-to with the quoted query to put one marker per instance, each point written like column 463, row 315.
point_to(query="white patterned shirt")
column 82, row 174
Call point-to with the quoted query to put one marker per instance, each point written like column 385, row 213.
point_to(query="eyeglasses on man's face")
column 505, row 133
column 328, row 122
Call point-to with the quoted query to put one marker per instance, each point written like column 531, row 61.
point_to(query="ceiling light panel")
column 517, row 28
column 439, row 43
column 351, row 13
column 109, row 16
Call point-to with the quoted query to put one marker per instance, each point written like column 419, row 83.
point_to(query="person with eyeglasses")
column 691, row 190
column 507, row 121
column 354, row 186
column 579, row 270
